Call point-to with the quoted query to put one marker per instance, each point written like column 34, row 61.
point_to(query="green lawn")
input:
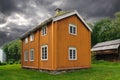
column 101, row 71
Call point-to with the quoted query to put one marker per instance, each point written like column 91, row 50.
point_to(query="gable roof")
column 60, row 16
column 114, row 44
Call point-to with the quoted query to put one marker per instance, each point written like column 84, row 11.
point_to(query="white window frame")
column 73, row 26
column 44, row 31
column 26, row 40
column 25, row 55
column 72, row 48
column 30, row 54
column 31, row 37
column 43, row 46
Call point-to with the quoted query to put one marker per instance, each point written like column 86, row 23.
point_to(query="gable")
column 71, row 14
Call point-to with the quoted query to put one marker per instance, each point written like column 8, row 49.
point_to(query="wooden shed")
column 60, row 42
column 109, row 50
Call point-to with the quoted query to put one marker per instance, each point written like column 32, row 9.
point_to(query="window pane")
column 32, row 55
column 74, row 53
column 44, row 52
column 70, row 29
column 74, row 30
column 70, row 54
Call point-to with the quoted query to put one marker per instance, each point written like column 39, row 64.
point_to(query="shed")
column 108, row 50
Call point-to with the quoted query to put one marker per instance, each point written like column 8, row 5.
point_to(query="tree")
column 12, row 50
column 6, row 51
column 106, row 29
column 101, row 31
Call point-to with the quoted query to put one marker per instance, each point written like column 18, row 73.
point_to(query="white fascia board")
column 70, row 14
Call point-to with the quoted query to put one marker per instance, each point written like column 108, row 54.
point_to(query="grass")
column 99, row 71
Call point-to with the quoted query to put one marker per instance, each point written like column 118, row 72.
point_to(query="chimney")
column 57, row 10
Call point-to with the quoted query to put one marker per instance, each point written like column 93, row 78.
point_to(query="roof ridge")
column 110, row 42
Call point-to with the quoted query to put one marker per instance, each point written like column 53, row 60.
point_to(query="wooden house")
column 58, row 43
column 109, row 50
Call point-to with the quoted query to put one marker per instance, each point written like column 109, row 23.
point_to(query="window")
column 26, row 56
column 31, row 37
column 32, row 55
column 26, row 40
column 72, row 29
column 44, row 30
column 44, row 52
column 72, row 53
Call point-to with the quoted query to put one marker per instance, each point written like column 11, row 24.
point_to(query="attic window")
column 44, row 30
column 31, row 37
column 26, row 40
column 72, row 29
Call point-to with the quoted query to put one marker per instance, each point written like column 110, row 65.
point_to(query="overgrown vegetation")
column 12, row 51
column 106, row 29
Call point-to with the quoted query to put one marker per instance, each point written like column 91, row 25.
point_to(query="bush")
column 93, row 58
column 11, row 61
column 2, row 63
column 17, row 62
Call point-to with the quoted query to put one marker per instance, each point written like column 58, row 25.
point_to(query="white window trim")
column 32, row 37
column 73, row 48
column 33, row 54
column 41, row 52
column 42, row 31
column 26, row 40
column 72, row 26
column 24, row 55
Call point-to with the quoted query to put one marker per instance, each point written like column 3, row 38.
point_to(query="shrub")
column 2, row 63
column 11, row 61
column 93, row 58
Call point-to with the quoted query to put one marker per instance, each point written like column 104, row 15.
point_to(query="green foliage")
column 93, row 57
column 12, row 51
column 106, row 29
column 2, row 63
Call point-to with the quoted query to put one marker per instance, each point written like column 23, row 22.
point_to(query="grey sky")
column 17, row 16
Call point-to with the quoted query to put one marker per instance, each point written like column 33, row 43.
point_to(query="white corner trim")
column 70, row 14
column 83, row 20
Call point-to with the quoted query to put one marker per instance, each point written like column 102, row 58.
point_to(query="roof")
column 59, row 16
column 114, row 44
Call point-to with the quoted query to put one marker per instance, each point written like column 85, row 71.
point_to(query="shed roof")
column 114, row 44
column 61, row 15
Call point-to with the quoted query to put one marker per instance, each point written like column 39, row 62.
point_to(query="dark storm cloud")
column 7, row 6
column 17, row 16
column 94, row 8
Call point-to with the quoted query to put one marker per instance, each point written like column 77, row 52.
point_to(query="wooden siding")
column 31, row 45
column 65, row 40
column 59, row 40
column 46, row 40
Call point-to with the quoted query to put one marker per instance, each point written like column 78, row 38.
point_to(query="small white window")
column 31, row 37
column 72, row 29
column 31, row 54
column 72, row 53
column 44, row 52
column 44, row 30
column 26, row 56
column 26, row 40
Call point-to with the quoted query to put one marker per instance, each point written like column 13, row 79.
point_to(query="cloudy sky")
column 18, row 16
